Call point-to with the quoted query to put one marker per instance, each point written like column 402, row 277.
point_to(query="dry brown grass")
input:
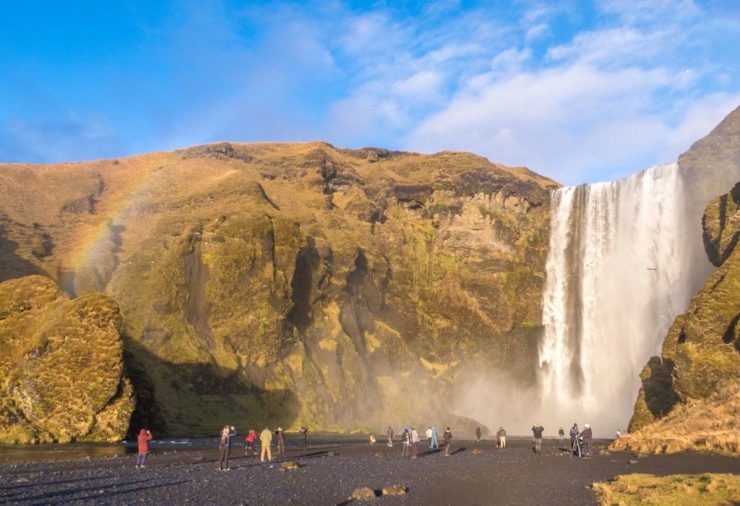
column 677, row 490
column 701, row 425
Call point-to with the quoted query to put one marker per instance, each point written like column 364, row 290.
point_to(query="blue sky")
column 579, row 91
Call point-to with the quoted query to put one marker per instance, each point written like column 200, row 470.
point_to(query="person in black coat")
column 537, row 431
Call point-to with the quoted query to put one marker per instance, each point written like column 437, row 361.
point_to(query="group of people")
column 266, row 437
column 580, row 442
column 225, row 443
column 410, row 440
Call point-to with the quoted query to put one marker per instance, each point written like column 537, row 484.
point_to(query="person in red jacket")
column 143, row 441
column 249, row 448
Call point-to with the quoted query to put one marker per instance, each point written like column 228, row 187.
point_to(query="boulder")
column 61, row 364
column 363, row 494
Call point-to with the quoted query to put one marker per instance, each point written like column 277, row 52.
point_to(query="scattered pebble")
column 290, row 466
column 394, row 490
column 362, row 494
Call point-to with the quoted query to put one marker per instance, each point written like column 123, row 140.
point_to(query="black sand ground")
column 330, row 471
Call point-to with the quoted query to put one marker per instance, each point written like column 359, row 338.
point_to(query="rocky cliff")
column 61, row 365
column 695, row 381
column 292, row 283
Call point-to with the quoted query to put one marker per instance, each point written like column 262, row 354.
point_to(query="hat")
column 587, row 426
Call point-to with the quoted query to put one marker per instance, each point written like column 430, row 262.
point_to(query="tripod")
column 575, row 447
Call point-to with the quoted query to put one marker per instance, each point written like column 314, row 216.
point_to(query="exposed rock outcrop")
column 61, row 365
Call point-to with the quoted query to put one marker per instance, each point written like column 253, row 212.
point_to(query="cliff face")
column 695, row 381
column 61, row 366
column 295, row 284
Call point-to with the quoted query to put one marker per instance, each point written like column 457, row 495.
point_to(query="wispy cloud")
column 69, row 138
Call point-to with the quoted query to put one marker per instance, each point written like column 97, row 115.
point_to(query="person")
column 585, row 438
column 477, row 434
column 447, row 437
column 389, row 433
column 406, row 442
column 573, row 433
column 224, row 447
column 266, row 442
column 501, row 436
column 280, row 441
column 434, row 443
column 414, row 443
column 619, row 433
column 249, row 440
column 142, row 441
column 429, row 434
column 537, row 432
column 561, row 435
column 373, row 439
column 304, row 433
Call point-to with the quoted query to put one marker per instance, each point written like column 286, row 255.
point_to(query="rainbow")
column 88, row 240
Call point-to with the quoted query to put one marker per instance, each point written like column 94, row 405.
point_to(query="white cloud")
column 535, row 22
column 423, row 86
column 650, row 11
column 560, row 121
column 614, row 46
column 698, row 119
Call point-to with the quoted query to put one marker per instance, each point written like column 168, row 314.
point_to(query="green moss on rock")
column 61, row 364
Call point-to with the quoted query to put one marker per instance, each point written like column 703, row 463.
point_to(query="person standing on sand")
column 447, row 437
column 586, row 436
column 561, row 435
column 501, row 436
column 266, row 442
column 224, row 447
column 389, row 433
column 477, row 434
column 537, row 432
column 434, row 443
column 414, row 443
column 573, row 433
column 304, row 432
column 429, row 435
column 250, row 439
column 405, row 442
column 280, row 441
column 142, row 441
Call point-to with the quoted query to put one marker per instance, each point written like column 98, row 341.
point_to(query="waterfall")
column 622, row 265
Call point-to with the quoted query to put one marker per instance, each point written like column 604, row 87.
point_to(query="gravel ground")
column 329, row 472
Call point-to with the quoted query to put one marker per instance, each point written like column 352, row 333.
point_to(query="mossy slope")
column 705, row 489
column 61, row 365
column 296, row 283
